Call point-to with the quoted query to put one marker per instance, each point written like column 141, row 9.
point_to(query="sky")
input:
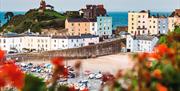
column 110, row 5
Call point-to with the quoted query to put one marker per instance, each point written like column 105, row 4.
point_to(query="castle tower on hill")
column 42, row 5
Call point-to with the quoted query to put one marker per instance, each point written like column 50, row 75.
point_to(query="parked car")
column 98, row 76
column 91, row 76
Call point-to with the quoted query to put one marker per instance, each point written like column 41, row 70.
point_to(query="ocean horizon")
column 118, row 18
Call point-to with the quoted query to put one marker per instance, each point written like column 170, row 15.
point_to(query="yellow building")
column 78, row 26
column 137, row 22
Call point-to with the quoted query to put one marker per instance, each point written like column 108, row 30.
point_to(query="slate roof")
column 81, row 20
column 144, row 37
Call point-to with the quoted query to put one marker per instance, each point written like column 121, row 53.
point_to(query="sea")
column 118, row 18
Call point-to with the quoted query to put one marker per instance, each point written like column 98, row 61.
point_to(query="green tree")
column 8, row 15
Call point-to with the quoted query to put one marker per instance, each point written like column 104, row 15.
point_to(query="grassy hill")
column 35, row 21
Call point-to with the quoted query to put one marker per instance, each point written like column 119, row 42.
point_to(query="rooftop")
column 81, row 20
column 144, row 37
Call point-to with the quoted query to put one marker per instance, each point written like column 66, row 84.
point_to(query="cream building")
column 137, row 22
column 153, row 25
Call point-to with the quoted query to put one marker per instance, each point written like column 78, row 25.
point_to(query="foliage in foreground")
column 157, row 71
column 33, row 83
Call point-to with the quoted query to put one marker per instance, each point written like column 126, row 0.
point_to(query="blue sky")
column 110, row 5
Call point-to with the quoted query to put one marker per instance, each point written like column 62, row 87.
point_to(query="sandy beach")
column 109, row 63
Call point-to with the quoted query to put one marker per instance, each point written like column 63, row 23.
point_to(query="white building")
column 59, row 43
column 93, row 28
column 44, row 43
column 89, row 39
column 140, row 43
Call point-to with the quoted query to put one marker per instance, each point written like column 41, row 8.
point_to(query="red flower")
column 85, row 89
column 1, row 54
column 155, row 56
column 65, row 72
column 71, row 88
column 2, row 80
column 13, row 75
column 161, row 49
column 160, row 87
column 157, row 74
column 142, row 56
column 58, row 61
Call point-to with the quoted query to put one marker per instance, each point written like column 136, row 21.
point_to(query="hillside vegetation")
column 35, row 21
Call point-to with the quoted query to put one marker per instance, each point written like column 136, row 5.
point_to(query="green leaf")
column 33, row 83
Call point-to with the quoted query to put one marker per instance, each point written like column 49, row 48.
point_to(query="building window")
column 93, row 24
column 143, row 31
column 92, row 28
column 4, row 41
column 131, row 31
column 163, row 26
column 139, row 16
column 154, row 27
column 143, row 21
column 154, row 21
column 54, row 40
column 79, row 24
column 132, row 23
column 72, row 24
column 132, row 27
column 72, row 30
column 132, row 19
column 149, row 26
column 100, row 28
column 139, row 21
column 72, row 40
